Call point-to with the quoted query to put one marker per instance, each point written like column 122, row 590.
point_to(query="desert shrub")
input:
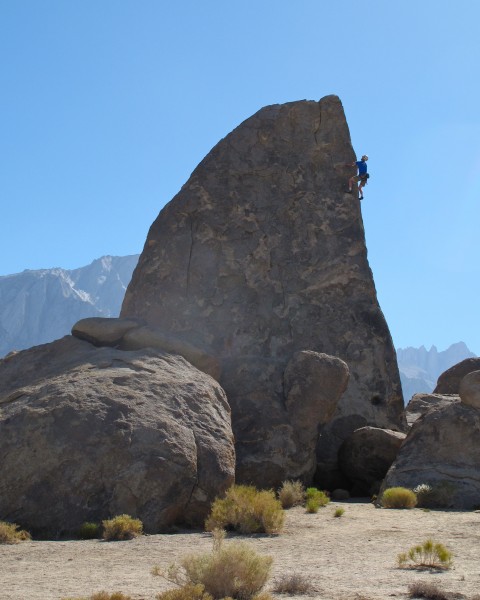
column 103, row 596
column 430, row 554
column 88, row 531
column 339, row 512
column 233, row 571
column 10, row 533
column 315, row 499
column 398, row 497
column 247, row 510
column 293, row 585
column 186, row 592
column 438, row 495
column 122, row 527
column 424, row 589
column 291, row 493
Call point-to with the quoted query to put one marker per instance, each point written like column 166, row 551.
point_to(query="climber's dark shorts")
column 361, row 179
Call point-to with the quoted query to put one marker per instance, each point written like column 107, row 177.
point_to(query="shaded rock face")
column 422, row 403
column 95, row 432
column 442, row 450
column 262, row 255
column 366, row 456
column 470, row 389
column 449, row 381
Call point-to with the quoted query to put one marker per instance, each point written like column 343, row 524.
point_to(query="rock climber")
column 361, row 177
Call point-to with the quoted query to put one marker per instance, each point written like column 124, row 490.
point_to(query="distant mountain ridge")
column 38, row 306
column 420, row 368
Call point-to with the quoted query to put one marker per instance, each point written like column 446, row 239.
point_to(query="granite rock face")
column 449, row 380
column 422, row 403
column 442, row 450
column 366, row 456
column 94, row 432
column 262, row 255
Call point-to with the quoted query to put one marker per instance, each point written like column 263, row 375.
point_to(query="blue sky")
column 106, row 107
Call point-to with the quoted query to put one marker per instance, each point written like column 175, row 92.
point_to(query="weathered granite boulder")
column 449, row 380
column 470, row 389
column 262, row 255
column 422, row 403
column 442, row 449
column 87, row 433
column 134, row 334
column 366, row 456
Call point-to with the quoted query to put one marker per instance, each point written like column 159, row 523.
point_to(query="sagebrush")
column 10, row 533
column 122, row 527
column 294, row 584
column 427, row 590
column 315, row 499
column 291, row 493
column 247, row 510
column 430, row 554
column 233, row 570
column 398, row 497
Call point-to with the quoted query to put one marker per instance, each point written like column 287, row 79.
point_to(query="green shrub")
column 438, row 495
column 122, row 527
column 291, row 493
column 247, row 510
column 88, row 531
column 339, row 512
column 293, row 585
column 398, row 497
column 315, row 499
column 429, row 555
column 235, row 571
column 10, row 533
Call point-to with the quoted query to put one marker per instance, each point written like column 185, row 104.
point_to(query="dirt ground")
column 346, row 558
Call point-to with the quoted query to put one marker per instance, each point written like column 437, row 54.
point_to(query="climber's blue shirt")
column 362, row 167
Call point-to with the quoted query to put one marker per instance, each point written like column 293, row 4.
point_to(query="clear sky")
column 106, row 107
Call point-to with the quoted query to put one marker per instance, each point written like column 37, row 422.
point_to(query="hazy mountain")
column 420, row 368
column 40, row 306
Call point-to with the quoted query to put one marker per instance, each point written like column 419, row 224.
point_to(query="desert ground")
column 346, row 558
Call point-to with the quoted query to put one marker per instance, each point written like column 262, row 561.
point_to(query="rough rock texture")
column 94, row 432
column 470, row 389
column 262, row 255
column 422, row 403
column 134, row 334
column 366, row 456
column 449, row 381
column 442, row 448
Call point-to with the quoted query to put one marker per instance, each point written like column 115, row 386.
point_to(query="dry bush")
column 438, row 495
column 122, row 527
column 186, row 592
column 247, row 510
column 430, row 554
column 10, row 533
column 315, row 499
column 103, row 596
column 291, row 493
column 398, row 497
column 424, row 589
column 234, row 570
column 293, row 585
column 88, row 531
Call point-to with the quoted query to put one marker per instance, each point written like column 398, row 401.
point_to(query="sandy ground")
column 346, row 558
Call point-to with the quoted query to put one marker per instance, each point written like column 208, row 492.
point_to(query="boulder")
column 422, row 403
column 470, row 389
column 449, row 380
column 442, row 450
column 102, row 331
column 262, row 255
column 87, row 433
column 366, row 456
